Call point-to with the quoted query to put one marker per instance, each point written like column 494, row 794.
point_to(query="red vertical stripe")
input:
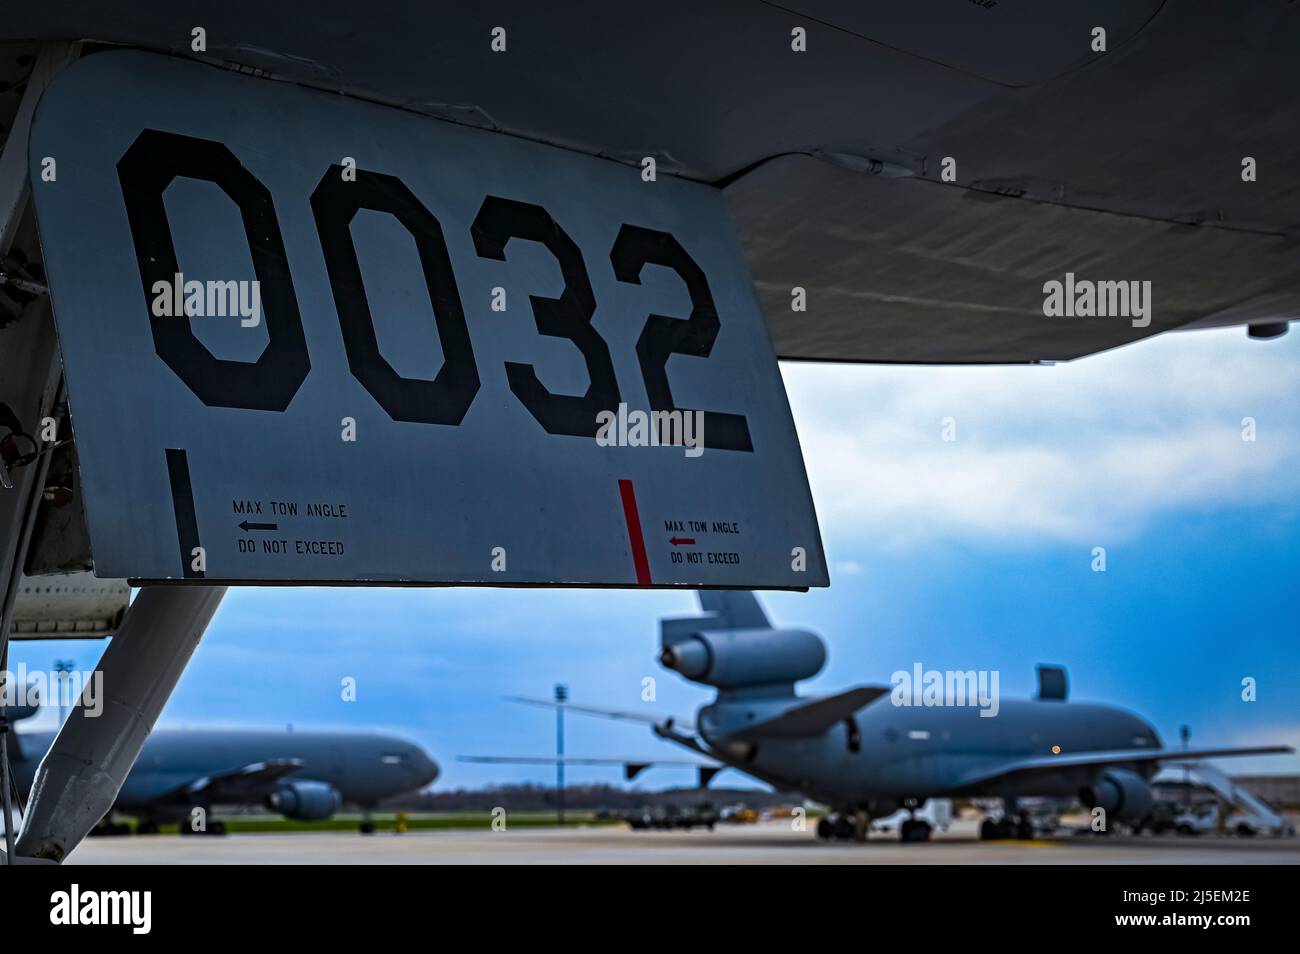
column 634, row 532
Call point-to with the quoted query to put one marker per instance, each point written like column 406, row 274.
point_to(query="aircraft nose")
column 425, row 768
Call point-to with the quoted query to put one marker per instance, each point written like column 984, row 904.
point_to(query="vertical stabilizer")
column 735, row 609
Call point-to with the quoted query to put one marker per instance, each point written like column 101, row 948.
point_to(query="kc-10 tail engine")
column 734, row 646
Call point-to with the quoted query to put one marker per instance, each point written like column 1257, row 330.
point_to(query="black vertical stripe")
column 187, row 524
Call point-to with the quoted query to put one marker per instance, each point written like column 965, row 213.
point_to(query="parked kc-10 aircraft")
column 305, row 776
column 864, row 755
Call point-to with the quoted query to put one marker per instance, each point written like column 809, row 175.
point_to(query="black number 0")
column 445, row 399
column 144, row 171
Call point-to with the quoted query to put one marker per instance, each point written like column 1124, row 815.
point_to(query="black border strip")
column 187, row 524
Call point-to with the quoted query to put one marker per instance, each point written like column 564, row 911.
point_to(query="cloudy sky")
column 973, row 553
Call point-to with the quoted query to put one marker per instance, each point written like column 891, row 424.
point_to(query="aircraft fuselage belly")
column 927, row 751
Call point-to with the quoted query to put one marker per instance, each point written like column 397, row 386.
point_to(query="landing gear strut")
column 79, row 778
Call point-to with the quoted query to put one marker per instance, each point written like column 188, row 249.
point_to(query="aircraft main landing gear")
column 844, row 826
column 1007, row 828
column 915, row 829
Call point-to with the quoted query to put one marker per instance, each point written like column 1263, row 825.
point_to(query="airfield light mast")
column 64, row 668
column 561, row 697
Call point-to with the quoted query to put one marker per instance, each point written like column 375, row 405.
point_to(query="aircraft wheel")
column 842, row 828
column 1001, row 830
column 1025, row 830
column 825, row 831
column 915, row 830
column 217, row 828
column 366, row 828
column 146, row 828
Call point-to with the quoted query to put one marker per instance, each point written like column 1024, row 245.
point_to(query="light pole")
column 64, row 668
column 561, row 697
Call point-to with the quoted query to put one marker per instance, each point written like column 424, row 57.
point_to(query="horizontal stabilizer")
column 816, row 716
column 617, row 714
column 634, row 766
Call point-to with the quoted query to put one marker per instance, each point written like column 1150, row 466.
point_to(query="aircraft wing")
column 1049, row 763
column 929, row 219
column 632, row 767
column 816, row 716
column 239, row 785
column 619, row 714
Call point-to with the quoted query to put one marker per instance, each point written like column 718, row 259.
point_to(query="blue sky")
column 974, row 553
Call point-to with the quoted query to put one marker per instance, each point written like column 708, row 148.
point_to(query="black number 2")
column 663, row 336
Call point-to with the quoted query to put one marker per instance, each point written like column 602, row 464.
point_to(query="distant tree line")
column 576, row 798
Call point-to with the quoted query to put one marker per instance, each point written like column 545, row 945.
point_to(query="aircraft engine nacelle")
column 305, row 801
column 732, row 658
column 1123, row 795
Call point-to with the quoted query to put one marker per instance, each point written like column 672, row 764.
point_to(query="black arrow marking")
column 246, row 526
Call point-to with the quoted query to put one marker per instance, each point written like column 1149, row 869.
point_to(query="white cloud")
column 1085, row 452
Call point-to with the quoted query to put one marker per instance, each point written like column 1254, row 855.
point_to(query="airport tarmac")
column 771, row 843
